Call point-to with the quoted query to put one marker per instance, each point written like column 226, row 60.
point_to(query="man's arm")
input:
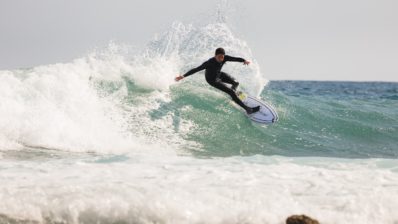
column 230, row 58
column 192, row 71
column 195, row 70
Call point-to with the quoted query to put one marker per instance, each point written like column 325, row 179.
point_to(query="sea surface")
column 111, row 138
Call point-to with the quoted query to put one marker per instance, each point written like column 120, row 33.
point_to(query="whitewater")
column 112, row 138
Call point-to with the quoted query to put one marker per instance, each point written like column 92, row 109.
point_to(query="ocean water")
column 111, row 138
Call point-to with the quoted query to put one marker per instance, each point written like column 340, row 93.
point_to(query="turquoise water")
column 331, row 119
column 339, row 119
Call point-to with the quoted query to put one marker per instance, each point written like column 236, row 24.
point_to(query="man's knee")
column 225, row 77
column 223, row 88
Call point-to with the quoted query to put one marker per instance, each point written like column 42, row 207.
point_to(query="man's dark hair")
column 301, row 219
column 220, row 50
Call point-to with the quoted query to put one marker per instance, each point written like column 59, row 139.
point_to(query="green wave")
column 309, row 125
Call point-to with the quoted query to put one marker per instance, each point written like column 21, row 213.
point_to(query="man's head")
column 301, row 219
column 220, row 52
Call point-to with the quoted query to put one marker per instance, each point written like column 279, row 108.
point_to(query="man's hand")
column 178, row 78
column 246, row 62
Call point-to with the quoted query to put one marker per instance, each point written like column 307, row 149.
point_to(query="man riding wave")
column 218, row 79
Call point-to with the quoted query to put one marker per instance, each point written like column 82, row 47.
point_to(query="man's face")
column 219, row 58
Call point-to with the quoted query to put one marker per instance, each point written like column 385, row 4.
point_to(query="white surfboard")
column 266, row 115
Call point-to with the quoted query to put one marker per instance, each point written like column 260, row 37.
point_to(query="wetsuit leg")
column 221, row 86
column 227, row 78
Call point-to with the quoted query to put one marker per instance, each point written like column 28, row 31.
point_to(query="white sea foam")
column 194, row 45
column 165, row 188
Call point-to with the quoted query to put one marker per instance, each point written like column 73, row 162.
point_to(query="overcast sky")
column 291, row 39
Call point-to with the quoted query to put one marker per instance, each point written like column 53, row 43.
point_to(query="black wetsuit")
column 216, row 78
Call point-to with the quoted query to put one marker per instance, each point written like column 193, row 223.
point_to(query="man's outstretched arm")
column 230, row 58
column 192, row 71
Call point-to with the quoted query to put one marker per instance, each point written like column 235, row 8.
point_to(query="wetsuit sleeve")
column 197, row 69
column 230, row 58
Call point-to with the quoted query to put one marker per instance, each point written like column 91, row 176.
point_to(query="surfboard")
column 266, row 115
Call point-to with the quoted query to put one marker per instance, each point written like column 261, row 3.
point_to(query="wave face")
column 111, row 138
column 337, row 119
column 328, row 119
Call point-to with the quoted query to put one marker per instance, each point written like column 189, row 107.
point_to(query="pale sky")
column 354, row 40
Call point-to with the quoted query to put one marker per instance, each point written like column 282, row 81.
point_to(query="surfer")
column 216, row 78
